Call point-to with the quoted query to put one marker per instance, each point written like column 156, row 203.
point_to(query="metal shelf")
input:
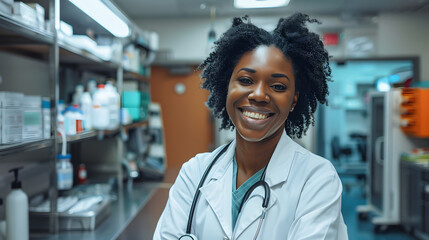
column 135, row 76
column 88, row 135
column 70, row 54
column 12, row 31
column 10, row 149
column 136, row 125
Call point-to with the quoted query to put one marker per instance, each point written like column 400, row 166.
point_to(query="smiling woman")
column 267, row 86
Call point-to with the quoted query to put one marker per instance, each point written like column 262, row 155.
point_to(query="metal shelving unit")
column 12, row 31
column 25, row 40
column 6, row 150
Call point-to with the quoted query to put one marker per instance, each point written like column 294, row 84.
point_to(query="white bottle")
column 92, row 87
column 17, row 211
column 86, row 106
column 69, row 121
column 100, row 109
column 60, row 116
column 77, row 94
column 64, row 172
column 114, row 106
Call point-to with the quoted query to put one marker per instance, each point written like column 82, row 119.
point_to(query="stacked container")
column 11, row 117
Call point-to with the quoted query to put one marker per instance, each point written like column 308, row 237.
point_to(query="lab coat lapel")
column 277, row 172
column 218, row 191
column 252, row 210
column 281, row 161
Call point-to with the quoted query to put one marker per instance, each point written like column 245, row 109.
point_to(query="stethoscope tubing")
column 197, row 193
column 261, row 182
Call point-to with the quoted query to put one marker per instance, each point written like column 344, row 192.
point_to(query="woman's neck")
column 253, row 156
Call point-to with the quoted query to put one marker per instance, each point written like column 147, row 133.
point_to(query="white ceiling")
column 141, row 9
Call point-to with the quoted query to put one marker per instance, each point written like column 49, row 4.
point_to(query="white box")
column 66, row 28
column 32, row 127
column 40, row 14
column 5, row 9
column 9, row 2
column 11, row 124
column 11, row 100
column 24, row 13
column 32, row 101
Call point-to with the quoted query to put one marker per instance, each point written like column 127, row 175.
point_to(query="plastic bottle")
column 17, row 211
column 86, row 106
column 60, row 116
column 77, row 94
column 64, row 172
column 114, row 106
column 81, row 174
column 100, row 109
column 73, row 120
column 92, row 87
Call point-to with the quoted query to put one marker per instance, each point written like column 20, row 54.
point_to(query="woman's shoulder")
column 314, row 163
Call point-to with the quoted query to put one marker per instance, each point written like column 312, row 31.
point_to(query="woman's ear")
column 295, row 99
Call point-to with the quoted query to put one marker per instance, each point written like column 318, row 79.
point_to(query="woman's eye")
column 245, row 81
column 278, row 87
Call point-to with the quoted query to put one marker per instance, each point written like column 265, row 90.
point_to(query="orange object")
column 415, row 111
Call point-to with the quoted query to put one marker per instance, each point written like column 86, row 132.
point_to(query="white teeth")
column 255, row 115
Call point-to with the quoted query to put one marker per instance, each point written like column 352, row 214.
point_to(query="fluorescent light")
column 104, row 16
column 260, row 3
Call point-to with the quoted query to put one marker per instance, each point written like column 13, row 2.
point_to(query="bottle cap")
column 100, row 86
column 16, row 184
column 67, row 156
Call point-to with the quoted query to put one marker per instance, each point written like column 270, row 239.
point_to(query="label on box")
column 32, row 128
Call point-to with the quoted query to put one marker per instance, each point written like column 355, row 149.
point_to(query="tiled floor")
column 364, row 230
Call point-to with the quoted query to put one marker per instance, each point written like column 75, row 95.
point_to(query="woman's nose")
column 259, row 93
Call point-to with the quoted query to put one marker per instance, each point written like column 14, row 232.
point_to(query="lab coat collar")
column 220, row 184
column 281, row 161
column 278, row 167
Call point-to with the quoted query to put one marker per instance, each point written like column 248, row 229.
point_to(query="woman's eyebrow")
column 247, row 70
column 279, row 75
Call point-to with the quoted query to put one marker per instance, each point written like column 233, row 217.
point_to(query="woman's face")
column 261, row 93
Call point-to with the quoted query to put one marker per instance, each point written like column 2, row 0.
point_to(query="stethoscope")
column 261, row 182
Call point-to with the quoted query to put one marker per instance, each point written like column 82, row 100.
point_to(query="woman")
column 266, row 86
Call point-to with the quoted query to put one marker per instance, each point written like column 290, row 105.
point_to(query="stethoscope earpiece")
column 188, row 237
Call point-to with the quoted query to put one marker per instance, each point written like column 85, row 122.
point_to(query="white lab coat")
column 305, row 199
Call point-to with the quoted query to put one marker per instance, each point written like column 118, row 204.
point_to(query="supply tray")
column 85, row 220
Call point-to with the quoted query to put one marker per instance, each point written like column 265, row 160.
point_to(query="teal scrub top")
column 238, row 194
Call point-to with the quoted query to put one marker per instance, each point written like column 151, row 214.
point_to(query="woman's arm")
column 172, row 223
column 318, row 214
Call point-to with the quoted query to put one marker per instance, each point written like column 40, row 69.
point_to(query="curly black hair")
column 310, row 62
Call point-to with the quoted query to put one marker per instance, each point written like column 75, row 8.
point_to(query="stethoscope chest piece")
column 188, row 237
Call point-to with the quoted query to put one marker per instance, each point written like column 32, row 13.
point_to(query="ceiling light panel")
column 260, row 3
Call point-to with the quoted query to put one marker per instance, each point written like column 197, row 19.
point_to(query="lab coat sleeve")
column 173, row 221
column 318, row 214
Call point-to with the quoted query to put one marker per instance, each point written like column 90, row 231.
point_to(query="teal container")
column 131, row 99
column 134, row 113
column 145, row 100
